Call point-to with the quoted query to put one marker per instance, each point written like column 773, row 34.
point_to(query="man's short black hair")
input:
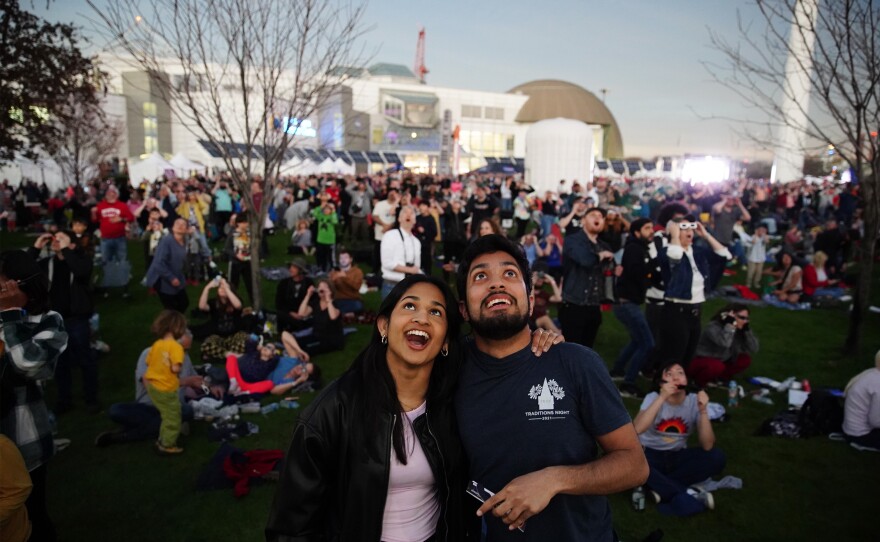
column 637, row 225
column 488, row 244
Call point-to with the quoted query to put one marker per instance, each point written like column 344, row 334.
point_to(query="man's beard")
column 498, row 328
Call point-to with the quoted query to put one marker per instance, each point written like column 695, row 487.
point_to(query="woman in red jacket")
column 816, row 282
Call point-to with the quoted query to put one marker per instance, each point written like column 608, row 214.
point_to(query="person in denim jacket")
column 685, row 269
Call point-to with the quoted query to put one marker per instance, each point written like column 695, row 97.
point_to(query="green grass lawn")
column 812, row 489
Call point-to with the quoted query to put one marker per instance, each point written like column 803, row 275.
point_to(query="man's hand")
column 43, row 240
column 175, row 282
column 605, row 255
column 524, row 497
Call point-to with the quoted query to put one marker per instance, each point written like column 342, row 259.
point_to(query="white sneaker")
column 707, row 499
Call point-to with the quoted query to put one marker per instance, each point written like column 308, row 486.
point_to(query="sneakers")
column 167, row 450
column 628, row 389
column 704, row 497
column 617, row 375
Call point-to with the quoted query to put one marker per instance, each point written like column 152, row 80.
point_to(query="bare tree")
column 842, row 107
column 241, row 75
column 87, row 137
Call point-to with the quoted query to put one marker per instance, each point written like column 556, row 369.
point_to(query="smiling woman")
column 376, row 456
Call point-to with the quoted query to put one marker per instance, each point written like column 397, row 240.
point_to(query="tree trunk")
column 256, row 227
column 862, row 295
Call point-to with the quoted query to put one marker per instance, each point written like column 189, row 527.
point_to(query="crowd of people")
column 651, row 251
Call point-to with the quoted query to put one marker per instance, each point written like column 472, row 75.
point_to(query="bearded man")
column 531, row 428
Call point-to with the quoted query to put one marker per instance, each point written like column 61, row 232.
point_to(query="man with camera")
column 69, row 269
column 400, row 251
column 584, row 256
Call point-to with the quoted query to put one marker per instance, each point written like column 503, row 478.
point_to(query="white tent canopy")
column 151, row 168
column 184, row 166
column 39, row 170
column 343, row 168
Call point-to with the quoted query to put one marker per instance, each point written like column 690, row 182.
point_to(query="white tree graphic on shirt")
column 555, row 389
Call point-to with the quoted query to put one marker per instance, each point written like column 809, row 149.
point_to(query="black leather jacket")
column 333, row 486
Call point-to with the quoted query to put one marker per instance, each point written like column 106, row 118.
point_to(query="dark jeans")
column 350, row 305
column 314, row 346
column 324, row 256
column 634, row 354
column 871, row 440
column 238, row 271
column 79, row 352
column 43, row 530
column 175, row 302
column 141, row 421
column 672, row 472
column 580, row 323
column 653, row 315
column 679, row 334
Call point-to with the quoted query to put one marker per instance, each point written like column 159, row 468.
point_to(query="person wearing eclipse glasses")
column 685, row 268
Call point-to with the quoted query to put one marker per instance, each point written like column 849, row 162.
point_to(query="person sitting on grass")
column 223, row 332
column 327, row 334
column 261, row 369
column 164, row 363
column 301, row 240
column 540, row 318
column 789, row 286
column 817, row 282
column 140, row 420
column 665, row 420
column 347, row 280
column 861, row 409
column 726, row 347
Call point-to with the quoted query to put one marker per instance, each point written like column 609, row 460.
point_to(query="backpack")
column 822, row 412
column 786, row 424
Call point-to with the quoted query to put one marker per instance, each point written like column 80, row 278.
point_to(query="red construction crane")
column 420, row 69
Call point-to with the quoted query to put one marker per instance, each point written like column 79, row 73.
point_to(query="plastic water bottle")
column 638, row 499
column 732, row 394
column 271, row 407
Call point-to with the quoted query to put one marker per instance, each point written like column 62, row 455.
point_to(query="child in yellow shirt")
column 161, row 381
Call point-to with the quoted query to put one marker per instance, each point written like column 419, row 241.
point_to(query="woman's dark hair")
column 658, row 373
column 371, row 367
column 730, row 307
column 668, row 211
column 21, row 266
column 487, row 245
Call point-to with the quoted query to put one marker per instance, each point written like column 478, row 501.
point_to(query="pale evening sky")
column 648, row 55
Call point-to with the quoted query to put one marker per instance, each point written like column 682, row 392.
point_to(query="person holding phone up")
column 685, row 268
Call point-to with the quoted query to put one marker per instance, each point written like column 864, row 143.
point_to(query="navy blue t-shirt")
column 522, row 413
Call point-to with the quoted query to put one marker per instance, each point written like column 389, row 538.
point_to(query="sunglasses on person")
column 742, row 318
